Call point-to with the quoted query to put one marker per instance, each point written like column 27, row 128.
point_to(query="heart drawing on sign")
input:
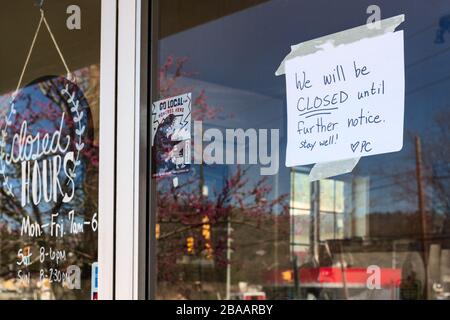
column 354, row 146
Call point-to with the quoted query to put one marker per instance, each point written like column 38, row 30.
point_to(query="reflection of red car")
column 331, row 277
column 355, row 277
column 254, row 296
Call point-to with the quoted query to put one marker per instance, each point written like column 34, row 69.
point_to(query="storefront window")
column 233, row 222
column 49, row 150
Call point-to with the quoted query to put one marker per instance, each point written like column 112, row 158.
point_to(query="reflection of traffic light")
column 206, row 228
column 190, row 244
column 206, row 233
column 158, row 230
column 287, row 276
column 208, row 250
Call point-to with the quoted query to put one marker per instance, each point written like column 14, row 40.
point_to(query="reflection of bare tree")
column 421, row 185
column 43, row 116
column 399, row 179
column 437, row 162
column 182, row 212
column 435, row 168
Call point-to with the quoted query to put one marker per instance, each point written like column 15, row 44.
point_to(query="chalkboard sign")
column 48, row 210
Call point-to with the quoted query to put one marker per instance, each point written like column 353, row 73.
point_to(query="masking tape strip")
column 334, row 168
column 339, row 38
column 330, row 169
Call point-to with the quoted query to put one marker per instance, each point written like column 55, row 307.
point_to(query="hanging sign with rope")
column 44, row 136
column 26, row 147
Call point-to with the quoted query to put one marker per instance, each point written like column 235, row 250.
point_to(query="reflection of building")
column 340, row 210
column 332, row 234
column 330, row 240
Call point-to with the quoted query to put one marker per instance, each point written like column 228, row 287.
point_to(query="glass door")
column 232, row 221
column 50, row 124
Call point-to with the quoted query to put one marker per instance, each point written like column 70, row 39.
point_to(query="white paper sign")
column 347, row 101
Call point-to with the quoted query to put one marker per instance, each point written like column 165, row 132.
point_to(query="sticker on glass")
column 171, row 135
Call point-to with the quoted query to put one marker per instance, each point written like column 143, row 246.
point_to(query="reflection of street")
column 379, row 232
column 332, row 235
column 14, row 289
column 333, row 262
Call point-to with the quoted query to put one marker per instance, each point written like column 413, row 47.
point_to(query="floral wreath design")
column 78, row 115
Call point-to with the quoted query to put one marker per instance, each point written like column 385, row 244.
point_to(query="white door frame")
column 131, row 172
column 123, row 227
column 107, row 149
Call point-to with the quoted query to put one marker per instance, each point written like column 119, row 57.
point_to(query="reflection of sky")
column 235, row 58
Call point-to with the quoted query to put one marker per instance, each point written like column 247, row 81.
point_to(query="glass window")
column 227, row 228
column 49, row 151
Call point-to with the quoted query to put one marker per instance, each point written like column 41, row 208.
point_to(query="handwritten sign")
column 171, row 135
column 347, row 101
column 46, row 144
